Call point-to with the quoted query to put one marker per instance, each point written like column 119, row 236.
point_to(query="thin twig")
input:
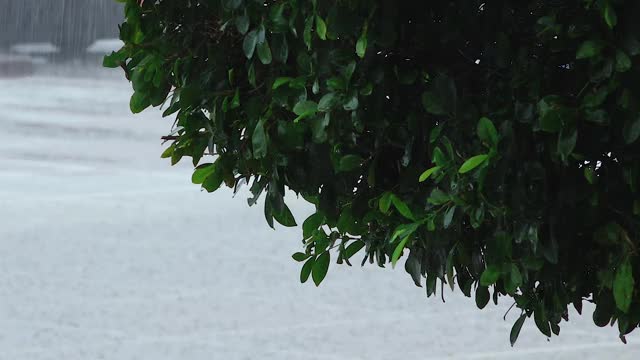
column 583, row 89
column 509, row 309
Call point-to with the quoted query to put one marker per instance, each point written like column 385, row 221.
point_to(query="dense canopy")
column 491, row 145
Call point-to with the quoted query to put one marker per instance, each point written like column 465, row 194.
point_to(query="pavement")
column 108, row 252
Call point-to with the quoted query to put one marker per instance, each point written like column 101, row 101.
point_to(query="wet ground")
column 106, row 252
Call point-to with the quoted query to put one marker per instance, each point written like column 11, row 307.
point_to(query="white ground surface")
column 34, row 48
column 108, row 253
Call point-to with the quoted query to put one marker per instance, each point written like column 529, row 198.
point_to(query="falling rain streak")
column 69, row 25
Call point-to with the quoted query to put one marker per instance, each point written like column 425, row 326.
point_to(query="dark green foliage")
column 495, row 143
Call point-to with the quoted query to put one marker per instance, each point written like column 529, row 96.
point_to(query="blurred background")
column 107, row 252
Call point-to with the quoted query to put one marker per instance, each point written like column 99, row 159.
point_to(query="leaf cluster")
column 495, row 146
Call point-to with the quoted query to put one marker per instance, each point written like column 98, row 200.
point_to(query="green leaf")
column 550, row 115
column 349, row 163
column 398, row 250
column 300, row 257
column 435, row 134
column 276, row 16
column 384, row 203
column 623, row 286
column 139, row 101
column 449, row 268
column 540, row 318
column 168, row 152
column 482, row 297
column 623, row 324
column 593, row 100
column 280, row 48
column 311, row 224
column 304, row 116
column 487, row 131
column 352, row 249
column 264, row 53
column 231, row 76
column 249, row 43
column 281, row 81
column 242, row 24
column 361, row 45
column 402, row 207
column 320, row 268
column 214, row 180
column 589, row 174
column 439, row 157
column 321, row 242
column 352, row 102
column 438, row 197
column 319, row 128
column 589, row 49
column 315, row 88
column 477, row 217
column 306, row 35
column 501, row 245
column 473, row 163
column 610, row 16
column 232, row 4
column 448, row 217
column 305, row 107
column 431, row 284
column 202, row 172
column 366, row 90
column 114, row 59
column 490, row 275
column 261, row 34
column 336, row 84
column 599, row 116
column 425, row 175
column 515, row 330
column 433, row 103
column 516, row 276
column 235, row 102
column 327, row 102
column 632, row 131
column 251, row 75
column 566, row 143
column 176, row 157
column 285, row 217
column 403, row 230
column 321, row 28
column 623, row 61
column 306, row 269
column 346, row 221
column 259, row 140
column 348, row 71
column 413, row 266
